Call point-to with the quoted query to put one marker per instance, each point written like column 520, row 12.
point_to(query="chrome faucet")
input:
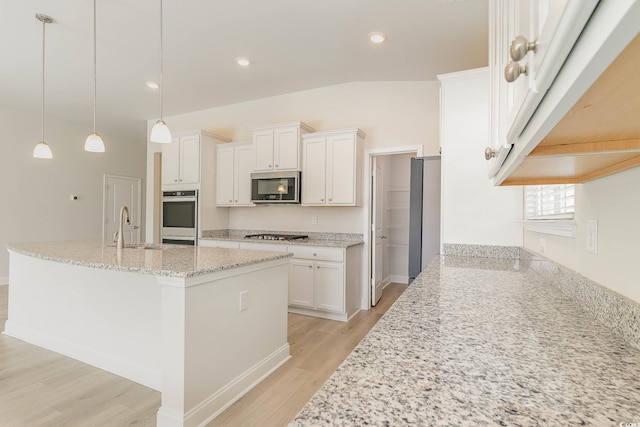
column 120, row 242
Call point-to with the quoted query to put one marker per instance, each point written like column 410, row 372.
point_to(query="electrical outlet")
column 592, row 236
column 314, row 220
column 73, row 198
column 542, row 245
column 244, row 300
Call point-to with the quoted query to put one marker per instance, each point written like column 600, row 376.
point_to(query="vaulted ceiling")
column 292, row 44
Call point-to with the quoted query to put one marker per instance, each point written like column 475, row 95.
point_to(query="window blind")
column 555, row 201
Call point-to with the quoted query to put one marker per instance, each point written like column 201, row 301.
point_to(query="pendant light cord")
column 95, row 84
column 161, row 68
column 43, row 30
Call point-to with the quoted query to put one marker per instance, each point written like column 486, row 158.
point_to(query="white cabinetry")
column 183, row 160
column 277, row 147
column 227, row 244
column 529, row 41
column 332, row 168
column 233, row 174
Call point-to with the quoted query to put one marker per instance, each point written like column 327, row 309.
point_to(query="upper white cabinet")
column 184, row 159
column 235, row 162
column 576, row 118
column 277, row 147
column 529, row 41
column 332, row 168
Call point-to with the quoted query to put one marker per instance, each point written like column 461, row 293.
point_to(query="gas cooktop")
column 275, row 236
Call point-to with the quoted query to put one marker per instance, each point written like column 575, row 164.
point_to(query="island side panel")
column 226, row 351
column 108, row 319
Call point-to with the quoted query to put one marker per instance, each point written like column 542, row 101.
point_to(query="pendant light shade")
column 42, row 149
column 94, row 143
column 160, row 132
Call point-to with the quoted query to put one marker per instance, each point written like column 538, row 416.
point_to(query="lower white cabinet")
column 229, row 244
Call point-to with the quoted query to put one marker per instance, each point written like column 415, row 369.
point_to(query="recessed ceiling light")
column 377, row 37
column 152, row 85
column 243, row 61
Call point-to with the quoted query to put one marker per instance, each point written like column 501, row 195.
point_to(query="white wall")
column 473, row 210
column 390, row 113
column 614, row 202
column 35, row 192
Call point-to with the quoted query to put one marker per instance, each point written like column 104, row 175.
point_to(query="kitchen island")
column 201, row 325
column 480, row 341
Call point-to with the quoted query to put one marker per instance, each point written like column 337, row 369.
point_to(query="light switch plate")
column 592, row 236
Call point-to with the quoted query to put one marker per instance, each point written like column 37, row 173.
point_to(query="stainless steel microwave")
column 275, row 187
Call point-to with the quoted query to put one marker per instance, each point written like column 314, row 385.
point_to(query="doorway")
column 121, row 191
column 389, row 213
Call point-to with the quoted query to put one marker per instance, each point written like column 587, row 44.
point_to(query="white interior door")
column 121, row 191
column 377, row 237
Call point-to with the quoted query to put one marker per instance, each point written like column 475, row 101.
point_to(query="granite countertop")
column 330, row 240
column 478, row 341
column 160, row 260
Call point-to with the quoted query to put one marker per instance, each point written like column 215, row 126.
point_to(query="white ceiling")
column 293, row 45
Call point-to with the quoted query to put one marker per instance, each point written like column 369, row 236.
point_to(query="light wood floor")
column 42, row 388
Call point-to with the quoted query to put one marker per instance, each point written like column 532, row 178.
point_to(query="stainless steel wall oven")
column 180, row 217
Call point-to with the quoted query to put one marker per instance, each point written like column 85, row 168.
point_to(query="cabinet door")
column 190, row 159
column 224, row 176
column 244, row 165
column 341, row 170
column 329, row 284
column 314, row 171
column 263, row 142
column 301, row 283
column 287, row 148
column 171, row 163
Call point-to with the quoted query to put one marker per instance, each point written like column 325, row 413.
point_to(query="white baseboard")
column 215, row 404
column 4, row 280
column 399, row 279
column 131, row 371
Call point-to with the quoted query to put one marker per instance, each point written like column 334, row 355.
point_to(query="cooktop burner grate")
column 267, row 236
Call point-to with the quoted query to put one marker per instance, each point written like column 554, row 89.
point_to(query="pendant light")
column 160, row 132
column 93, row 142
column 42, row 150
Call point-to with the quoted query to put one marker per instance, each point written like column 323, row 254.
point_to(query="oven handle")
column 179, row 199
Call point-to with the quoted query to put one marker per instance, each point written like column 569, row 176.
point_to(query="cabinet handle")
column 276, row 165
column 513, row 70
column 520, row 46
column 310, row 266
column 315, row 254
column 330, row 200
column 322, row 200
column 269, row 165
column 175, row 180
column 489, row 153
column 230, row 201
column 317, row 266
column 236, row 201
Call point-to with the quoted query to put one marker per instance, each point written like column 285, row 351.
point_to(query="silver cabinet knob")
column 489, row 153
column 276, row 165
column 269, row 165
column 513, row 70
column 230, row 201
column 310, row 266
column 330, row 200
column 175, row 180
column 236, row 201
column 383, row 236
column 318, row 266
column 322, row 200
column 315, row 254
column 520, row 46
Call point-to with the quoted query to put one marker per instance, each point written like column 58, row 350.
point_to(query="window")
column 549, row 201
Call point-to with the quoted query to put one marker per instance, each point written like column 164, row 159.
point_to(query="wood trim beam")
column 587, row 148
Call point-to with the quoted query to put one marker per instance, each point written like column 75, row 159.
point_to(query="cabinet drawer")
column 263, row 246
column 317, row 253
column 219, row 244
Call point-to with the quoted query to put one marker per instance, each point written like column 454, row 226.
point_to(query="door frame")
column 365, row 302
column 105, row 179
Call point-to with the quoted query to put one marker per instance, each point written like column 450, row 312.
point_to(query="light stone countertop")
column 329, row 243
column 479, row 341
column 160, row 260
